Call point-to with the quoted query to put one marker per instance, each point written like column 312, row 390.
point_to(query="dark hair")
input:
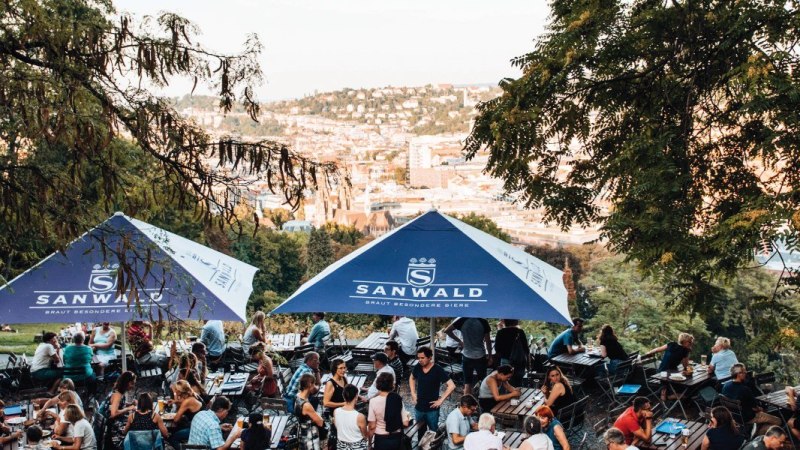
column 511, row 322
column 639, row 403
column 46, row 337
column 577, row 320
column 606, row 332
column 257, row 348
column 34, row 433
column 468, row 401
column 425, row 351
column 350, row 392
column 392, row 344
column 194, row 379
column 197, row 346
column 220, row 403
column 724, row 419
column 321, row 315
column 775, row 432
column 258, row 437
column 306, row 381
column 385, row 382
column 144, row 403
column 123, row 381
column 505, row 369
column 532, row 425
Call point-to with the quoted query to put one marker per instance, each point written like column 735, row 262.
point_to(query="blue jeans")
column 179, row 436
column 428, row 420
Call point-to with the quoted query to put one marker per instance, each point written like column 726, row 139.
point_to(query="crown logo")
column 104, row 269
column 421, row 272
column 103, row 278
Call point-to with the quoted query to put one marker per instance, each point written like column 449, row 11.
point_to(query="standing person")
column 537, row 439
column 256, row 436
column 615, row 440
column 722, row 358
column 263, row 383
column 722, row 434
column 404, row 331
column 611, row 348
column 319, row 331
column 102, row 341
column 351, row 425
column 476, row 347
column 189, row 404
column 309, row 420
column 553, row 428
column 636, row 421
column 568, row 341
column 381, row 363
column 116, row 413
column 774, row 439
column 143, row 418
column 139, row 332
column 213, row 335
column 310, row 366
column 392, row 350
column 45, row 360
column 207, row 430
column 459, row 422
column 507, row 338
column 83, row 436
column 255, row 332
column 386, row 417
column 738, row 389
column 557, row 390
column 452, row 344
column 333, row 398
column 425, row 382
column 485, row 438
column 675, row 354
column 495, row 388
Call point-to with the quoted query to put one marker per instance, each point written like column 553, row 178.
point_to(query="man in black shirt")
column 425, row 382
column 737, row 389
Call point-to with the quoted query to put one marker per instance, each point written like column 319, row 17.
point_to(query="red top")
column 628, row 422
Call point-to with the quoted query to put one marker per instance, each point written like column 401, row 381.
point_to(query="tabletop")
column 535, row 396
column 699, row 377
column 673, row 442
column 777, row 399
column 583, row 359
column 513, row 439
column 374, row 341
column 283, row 342
column 356, row 380
column 232, row 384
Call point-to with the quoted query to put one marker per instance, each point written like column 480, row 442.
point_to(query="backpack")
column 518, row 356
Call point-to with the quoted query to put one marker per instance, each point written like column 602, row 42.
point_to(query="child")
column 34, row 435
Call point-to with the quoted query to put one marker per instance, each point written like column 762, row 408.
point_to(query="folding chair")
column 735, row 407
column 610, row 384
column 298, row 356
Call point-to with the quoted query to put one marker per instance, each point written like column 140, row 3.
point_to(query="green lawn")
column 22, row 341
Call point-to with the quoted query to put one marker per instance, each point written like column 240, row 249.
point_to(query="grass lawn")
column 22, row 341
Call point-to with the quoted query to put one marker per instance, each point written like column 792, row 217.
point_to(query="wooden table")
column 283, row 342
column 691, row 384
column 278, row 426
column 356, row 380
column 519, row 412
column 579, row 362
column 375, row 341
column 513, row 439
column 778, row 399
column 212, row 388
column 673, row 442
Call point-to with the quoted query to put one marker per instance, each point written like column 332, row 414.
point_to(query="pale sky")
column 326, row 45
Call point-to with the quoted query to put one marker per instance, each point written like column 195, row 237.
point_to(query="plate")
column 168, row 416
column 46, row 433
column 677, row 377
column 15, row 420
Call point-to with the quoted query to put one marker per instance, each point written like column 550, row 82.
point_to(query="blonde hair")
column 723, row 342
column 685, row 337
column 182, row 387
column 73, row 414
column 258, row 319
column 71, row 397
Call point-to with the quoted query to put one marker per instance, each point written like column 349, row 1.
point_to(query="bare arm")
column 655, row 350
column 76, row 445
column 128, row 424
column 557, row 391
column 161, row 426
column 326, row 399
column 116, row 401
column 449, row 331
column 450, row 386
column 603, row 351
column 492, row 382
column 561, row 437
column 645, row 433
column 412, row 385
column 706, row 443
column 309, row 411
column 487, row 340
column 362, row 425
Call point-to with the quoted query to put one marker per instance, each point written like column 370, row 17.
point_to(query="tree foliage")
column 319, row 252
column 75, row 78
column 484, row 224
column 678, row 121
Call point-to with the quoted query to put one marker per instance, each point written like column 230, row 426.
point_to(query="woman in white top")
column 256, row 332
column 351, row 426
column 538, row 440
column 83, row 438
column 102, row 341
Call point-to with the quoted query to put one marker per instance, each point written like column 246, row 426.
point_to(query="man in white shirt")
column 615, row 440
column 484, row 438
column 381, row 363
column 47, row 355
column 404, row 331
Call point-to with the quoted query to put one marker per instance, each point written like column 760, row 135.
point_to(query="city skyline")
column 323, row 46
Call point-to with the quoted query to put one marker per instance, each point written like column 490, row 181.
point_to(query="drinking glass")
column 703, row 360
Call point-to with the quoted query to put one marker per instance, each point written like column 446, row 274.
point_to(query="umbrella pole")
column 124, row 356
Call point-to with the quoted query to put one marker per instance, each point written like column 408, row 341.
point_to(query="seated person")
column 774, row 439
column 46, row 403
column 558, row 393
column 794, row 422
column 722, row 434
column 256, row 436
column 34, row 436
column 199, row 351
column 567, row 340
column 6, row 435
column 496, row 388
column 319, row 331
column 46, row 359
column 485, row 437
column 213, row 336
column 737, row 389
column 611, row 348
column 537, row 440
column 459, row 422
column 102, row 341
column 615, row 440
column 79, row 356
column 722, row 359
column 636, row 422
column 147, row 357
column 207, row 430
column 189, row 404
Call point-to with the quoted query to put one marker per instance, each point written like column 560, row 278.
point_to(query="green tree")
column 682, row 115
column 345, row 235
column 319, row 252
column 484, row 224
column 72, row 77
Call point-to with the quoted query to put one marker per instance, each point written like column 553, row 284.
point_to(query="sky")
column 325, row 45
